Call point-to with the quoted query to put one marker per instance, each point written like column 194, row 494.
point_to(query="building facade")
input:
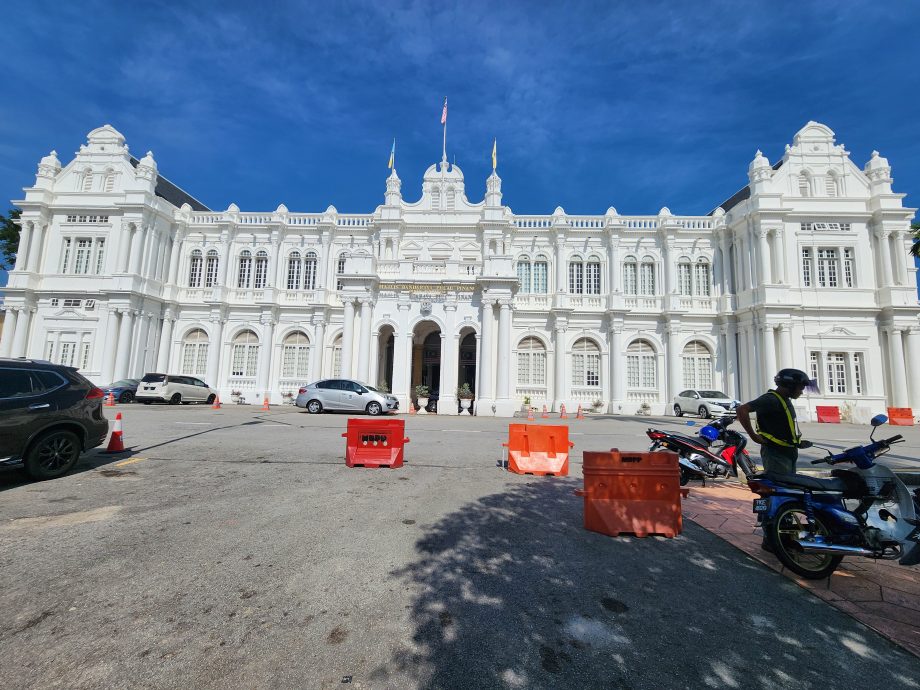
column 120, row 273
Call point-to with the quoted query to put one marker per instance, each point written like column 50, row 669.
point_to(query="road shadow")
column 512, row 592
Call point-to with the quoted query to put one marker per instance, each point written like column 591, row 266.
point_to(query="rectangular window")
column 72, row 303
column 65, row 262
column 210, row 278
column 593, row 279
column 813, row 363
column 857, row 373
column 309, row 274
column 684, row 280
column 54, row 301
column 66, row 356
column 337, row 361
column 703, row 280
column 523, row 374
column 630, row 280
column 576, row 278
column 538, row 278
column 295, row 361
column 836, row 372
column 82, row 256
column 586, row 370
column 49, row 351
column 632, row 371
column 806, row 266
column 641, row 371
column 100, row 255
column 647, row 279
column 523, row 274
column 245, row 360
column 84, row 355
column 827, row 267
column 195, row 359
column 849, row 272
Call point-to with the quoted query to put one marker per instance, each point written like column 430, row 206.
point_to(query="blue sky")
column 594, row 104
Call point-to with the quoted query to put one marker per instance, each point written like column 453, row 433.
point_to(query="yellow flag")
column 494, row 154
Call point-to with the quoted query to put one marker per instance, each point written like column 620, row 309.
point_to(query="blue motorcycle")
column 810, row 527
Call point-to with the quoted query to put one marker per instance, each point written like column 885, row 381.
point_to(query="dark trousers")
column 778, row 460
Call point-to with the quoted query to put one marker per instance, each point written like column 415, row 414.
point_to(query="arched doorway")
column 386, row 341
column 466, row 362
column 426, row 362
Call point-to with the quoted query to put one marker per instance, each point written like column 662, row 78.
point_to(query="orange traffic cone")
column 579, row 414
column 265, row 404
column 412, row 407
column 562, row 414
column 545, row 414
column 116, row 441
column 216, row 405
column 110, row 400
column 530, row 416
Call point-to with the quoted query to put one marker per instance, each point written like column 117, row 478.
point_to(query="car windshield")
column 154, row 378
column 124, row 383
column 370, row 388
column 712, row 394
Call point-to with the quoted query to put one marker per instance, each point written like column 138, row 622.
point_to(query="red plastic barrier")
column 636, row 493
column 540, row 449
column 375, row 442
column 828, row 414
column 900, row 416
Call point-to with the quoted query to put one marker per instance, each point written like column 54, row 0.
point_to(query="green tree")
column 9, row 238
column 915, row 250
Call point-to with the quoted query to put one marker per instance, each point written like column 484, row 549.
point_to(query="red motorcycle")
column 700, row 457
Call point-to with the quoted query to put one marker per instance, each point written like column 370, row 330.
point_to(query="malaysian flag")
column 444, row 112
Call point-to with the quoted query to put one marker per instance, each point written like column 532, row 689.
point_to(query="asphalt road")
column 234, row 549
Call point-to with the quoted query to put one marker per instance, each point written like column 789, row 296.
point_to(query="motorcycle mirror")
column 878, row 420
column 690, row 422
column 805, row 444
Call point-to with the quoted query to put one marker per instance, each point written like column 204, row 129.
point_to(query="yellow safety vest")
column 792, row 428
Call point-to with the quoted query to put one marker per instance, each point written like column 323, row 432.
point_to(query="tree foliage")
column 915, row 250
column 9, row 238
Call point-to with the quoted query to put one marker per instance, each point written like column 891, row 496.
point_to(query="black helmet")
column 792, row 378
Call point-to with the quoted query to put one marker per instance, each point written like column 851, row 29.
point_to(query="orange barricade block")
column 375, row 442
column 636, row 493
column 828, row 414
column 540, row 449
column 900, row 416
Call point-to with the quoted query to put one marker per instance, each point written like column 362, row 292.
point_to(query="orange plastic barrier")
column 540, row 449
column 900, row 416
column 636, row 493
column 828, row 414
column 375, row 442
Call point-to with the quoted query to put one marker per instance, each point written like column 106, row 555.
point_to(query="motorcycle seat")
column 802, row 481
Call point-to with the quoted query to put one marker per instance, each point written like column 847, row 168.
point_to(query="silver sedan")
column 345, row 395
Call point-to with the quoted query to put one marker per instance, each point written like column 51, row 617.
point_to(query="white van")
column 173, row 389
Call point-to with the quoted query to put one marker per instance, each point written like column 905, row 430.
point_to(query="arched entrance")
column 466, row 362
column 426, row 362
column 386, row 342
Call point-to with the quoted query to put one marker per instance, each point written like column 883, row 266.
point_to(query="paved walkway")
column 881, row 594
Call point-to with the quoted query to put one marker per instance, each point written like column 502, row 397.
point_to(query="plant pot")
column 422, row 404
column 465, row 403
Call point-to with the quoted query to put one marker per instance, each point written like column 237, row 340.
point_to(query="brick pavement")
column 881, row 594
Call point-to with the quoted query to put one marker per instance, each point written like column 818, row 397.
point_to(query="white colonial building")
column 120, row 273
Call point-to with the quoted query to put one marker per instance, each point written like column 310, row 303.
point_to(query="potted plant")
column 421, row 392
column 645, row 408
column 526, row 404
column 236, row 395
column 288, row 397
column 383, row 387
column 597, row 405
column 465, row 396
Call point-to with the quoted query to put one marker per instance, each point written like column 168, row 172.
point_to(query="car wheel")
column 314, row 407
column 704, row 412
column 146, row 402
column 52, row 455
column 677, row 411
column 210, row 399
column 373, row 408
column 176, row 399
column 126, row 397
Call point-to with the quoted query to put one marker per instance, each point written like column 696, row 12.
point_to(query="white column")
column 559, row 392
column 884, row 248
column 348, row 337
column 141, row 345
column 769, row 356
column 785, row 347
column 36, row 251
column 402, row 368
column 165, row 342
column 110, row 342
column 56, row 350
column 364, row 341
column 673, row 385
column 913, row 357
column 137, row 249
column 612, row 261
column 174, row 261
column 22, row 255
column 485, row 391
column 743, row 365
column 900, row 253
column 765, row 272
column 722, row 361
column 21, row 337
column 898, row 396
column 267, row 346
column 124, row 344
column 504, row 350
column 562, row 285
column 319, row 348
column 124, row 245
column 148, row 260
column 271, row 279
column 215, row 350
column 617, row 367
column 373, row 371
column 726, row 264
column 9, row 330
column 161, row 271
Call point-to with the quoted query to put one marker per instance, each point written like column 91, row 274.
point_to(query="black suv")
column 49, row 414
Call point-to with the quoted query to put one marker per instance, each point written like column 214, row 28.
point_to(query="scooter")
column 734, row 446
column 809, row 526
column 695, row 458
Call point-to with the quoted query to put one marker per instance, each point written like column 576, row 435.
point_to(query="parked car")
column 49, row 414
column 124, row 390
column 705, row 403
column 173, row 389
column 344, row 394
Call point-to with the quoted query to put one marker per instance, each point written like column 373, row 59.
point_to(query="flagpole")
column 444, row 153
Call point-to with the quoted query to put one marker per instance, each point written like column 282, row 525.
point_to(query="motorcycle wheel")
column 684, row 477
column 791, row 520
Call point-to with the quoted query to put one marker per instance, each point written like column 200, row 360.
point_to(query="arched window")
column 109, row 184
column 539, row 273
column 703, row 278
column 194, row 269
column 295, row 356
column 88, row 180
column 804, row 184
column 293, row 271
column 641, row 366
column 195, row 353
column 830, row 184
column 684, row 278
column 531, row 362
column 309, row 271
column 593, row 276
column 647, row 277
column 210, row 274
column 697, row 361
column 576, row 275
column 261, row 272
column 630, row 276
column 245, row 355
column 586, row 364
column 245, row 269
column 523, row 273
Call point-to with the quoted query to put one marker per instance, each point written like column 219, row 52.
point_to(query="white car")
column 705, row 403
column 173, row 389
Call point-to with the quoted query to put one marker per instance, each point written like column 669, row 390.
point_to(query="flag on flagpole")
column 444, row 112
column 494, row 153
column 392, row 156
